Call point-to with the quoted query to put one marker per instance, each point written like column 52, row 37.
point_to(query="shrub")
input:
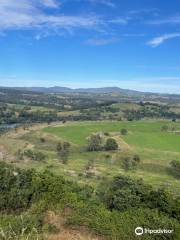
column 126, row 163
column 124, row 193
column 130, row 163
column 94, row 143
column 42, row 139
column 124, row 131
column 175, row 168
column 121, row 226
column 136, row 158
column 63, row 149
column 114, row 209
column 111, row 144
column 164, row 128
column 106, row 134
column 90, row 164
column 34, row 155
column 21, row 227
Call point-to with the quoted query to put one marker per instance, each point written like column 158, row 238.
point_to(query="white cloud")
column 50, row 3
column 170, row 20
column 100, row 42
column 31, row 14
column 23, row 14
column 16, row 14
column 119, row 20
column 155, row 42
column 133, row 34
column 151, row 11
column 107, row 3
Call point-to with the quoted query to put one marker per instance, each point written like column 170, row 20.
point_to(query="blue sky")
column 132, row 44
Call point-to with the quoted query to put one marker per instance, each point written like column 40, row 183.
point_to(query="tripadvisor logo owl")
column 139, row 231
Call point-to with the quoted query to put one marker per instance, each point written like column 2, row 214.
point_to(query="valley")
column 73, row 155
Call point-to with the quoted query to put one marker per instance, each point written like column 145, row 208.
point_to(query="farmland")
column 155, row 147
column 143, row 134
column 86, row 157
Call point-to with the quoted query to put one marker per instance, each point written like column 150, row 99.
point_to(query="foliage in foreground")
column 114, row 210
column 26, row 226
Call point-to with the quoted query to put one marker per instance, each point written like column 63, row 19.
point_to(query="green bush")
column 63, row 149
column 129, row 163
column 111, row 144
column 94, row 143
column 123, row 193
column 114, row 209
column 34, row 155
column 124, row 131
column 175, row 168
column 164, row 128
column 25, row 226
column 121, row 226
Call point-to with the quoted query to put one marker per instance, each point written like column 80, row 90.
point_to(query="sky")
column 132, row 44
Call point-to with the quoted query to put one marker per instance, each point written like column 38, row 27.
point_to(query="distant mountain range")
column 103, row 90
column 57, row 89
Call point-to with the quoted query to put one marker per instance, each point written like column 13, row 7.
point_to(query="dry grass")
column 72, row 235
column 66, row 233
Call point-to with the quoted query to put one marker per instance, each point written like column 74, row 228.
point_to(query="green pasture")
column 145, row 138
column 145, row 134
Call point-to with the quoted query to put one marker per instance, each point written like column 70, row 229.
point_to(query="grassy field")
column 145, row 138
column 156, row 148
column 145, row 134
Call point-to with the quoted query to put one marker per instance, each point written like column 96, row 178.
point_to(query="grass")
column 146, row 134
column 145, row 138
column 156, row 149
